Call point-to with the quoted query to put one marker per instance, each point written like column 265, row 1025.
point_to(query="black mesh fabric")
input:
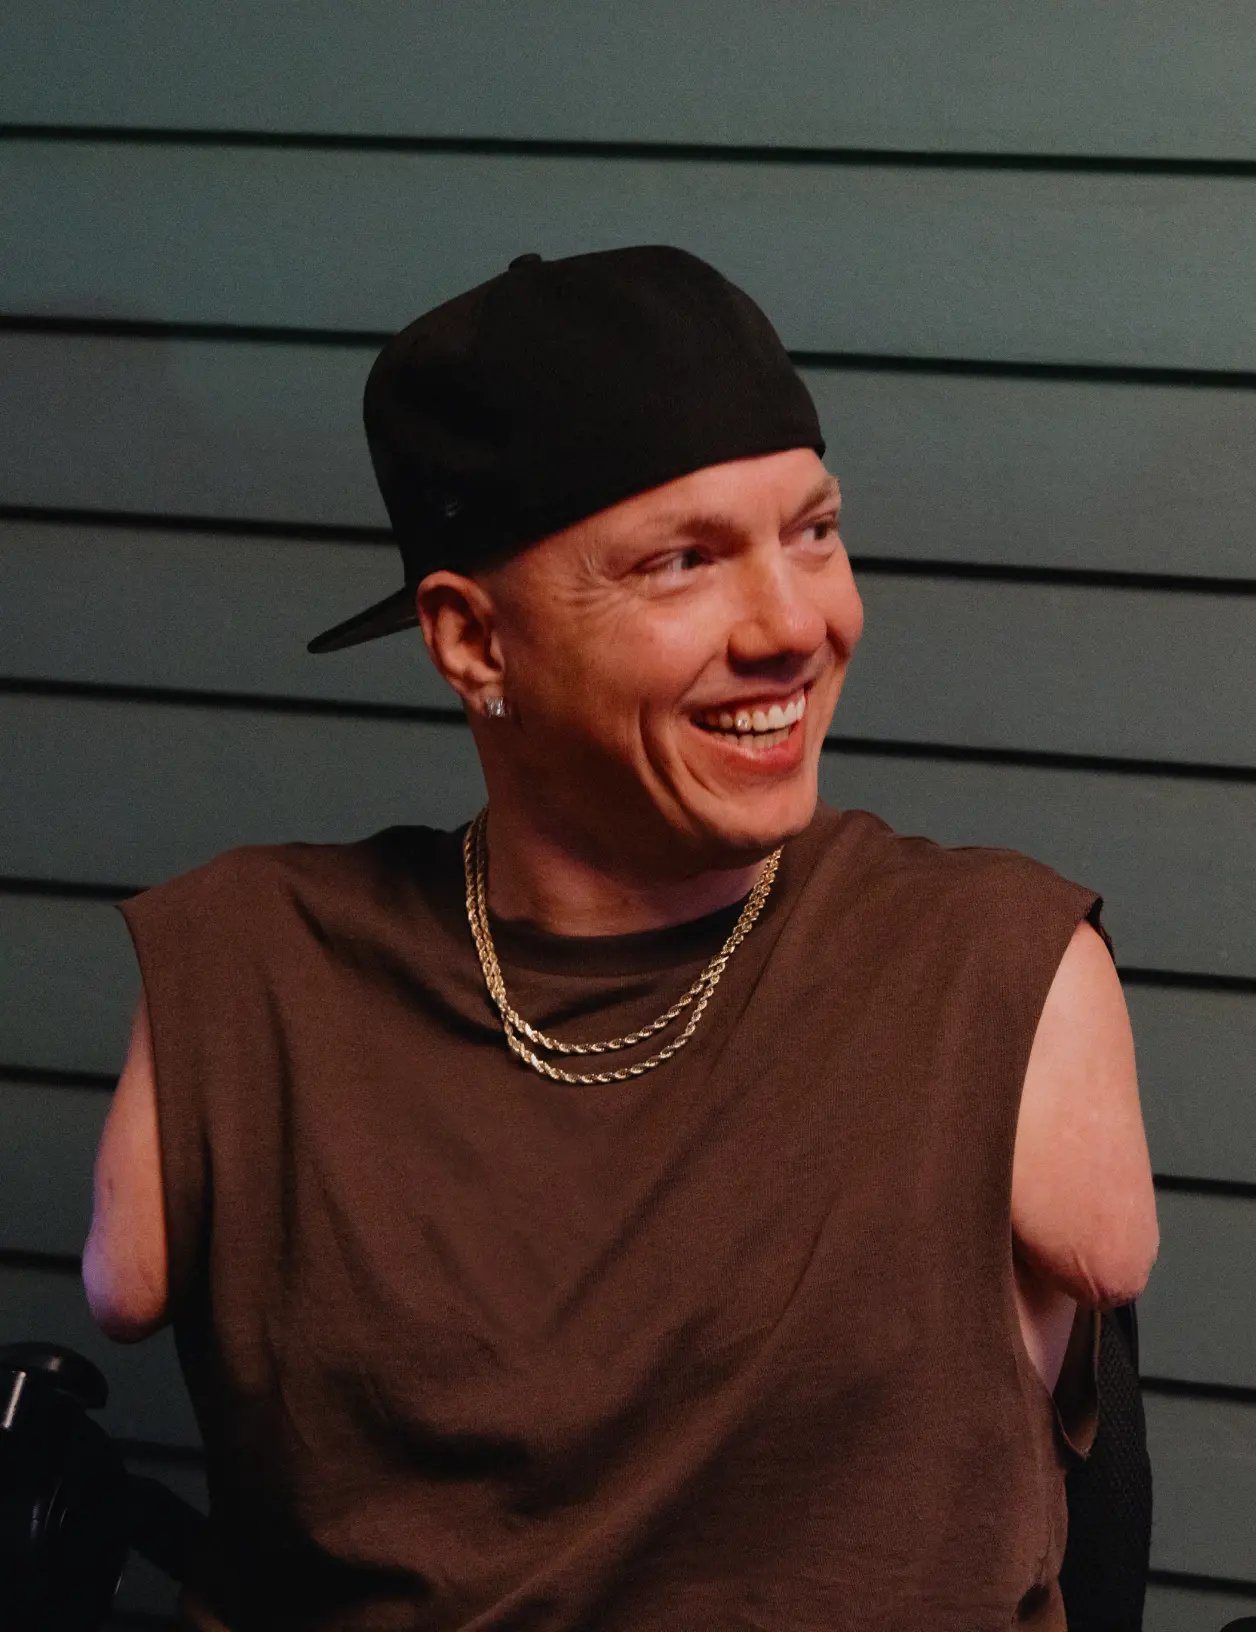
column 1104, row 1575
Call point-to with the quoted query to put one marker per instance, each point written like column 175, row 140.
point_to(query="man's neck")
column 569, row 889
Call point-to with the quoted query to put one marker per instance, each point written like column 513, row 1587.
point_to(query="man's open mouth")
column 756, row 724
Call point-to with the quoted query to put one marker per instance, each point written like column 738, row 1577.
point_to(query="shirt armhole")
column 1076, row 1394
column 180, row 1128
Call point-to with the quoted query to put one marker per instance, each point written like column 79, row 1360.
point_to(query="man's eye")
column 681, row 561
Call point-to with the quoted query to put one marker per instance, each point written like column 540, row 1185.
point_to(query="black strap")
column 1104, row 1576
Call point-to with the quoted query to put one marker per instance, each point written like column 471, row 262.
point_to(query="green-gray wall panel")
column 1067, row 668
column 1043, row 472
column 1171, row 901
column 1007, row 263
column 1153, row 78
column 69, row 974
column 1196, row 1054
column 69, row 982
column 1203, row 1455
column 46, row 1155
column 128, row 793
column 224, row 614
column 187, row 428
column 1197, row 1318
column 1073, row 669
column 1191, row 1609
column 1027, row 472
column 147, row 1399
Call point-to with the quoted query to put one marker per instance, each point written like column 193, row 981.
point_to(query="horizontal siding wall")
column 1132, row 77
column 996, row 264
column 1011, row 249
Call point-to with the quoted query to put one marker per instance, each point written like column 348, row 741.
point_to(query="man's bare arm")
column 124, row 1260
column 1083, row 1205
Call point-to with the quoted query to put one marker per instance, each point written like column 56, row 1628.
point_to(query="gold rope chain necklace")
column 475, row 867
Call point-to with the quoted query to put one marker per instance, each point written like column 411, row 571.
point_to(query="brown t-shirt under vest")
column 730, row 1347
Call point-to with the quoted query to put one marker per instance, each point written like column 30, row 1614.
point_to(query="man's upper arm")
column 124, row 1260
column 1083, row 1205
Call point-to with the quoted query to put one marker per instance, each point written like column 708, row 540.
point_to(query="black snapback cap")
column 556, row 389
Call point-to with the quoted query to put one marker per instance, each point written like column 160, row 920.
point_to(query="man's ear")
column 459, row 625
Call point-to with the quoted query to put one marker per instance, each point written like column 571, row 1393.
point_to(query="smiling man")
column 668, row 1201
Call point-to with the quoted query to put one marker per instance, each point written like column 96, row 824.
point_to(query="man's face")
column 672, row 663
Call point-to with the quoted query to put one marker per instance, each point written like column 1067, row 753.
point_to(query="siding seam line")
column 842, row 361
column 840, row 156
column 1201, row 1583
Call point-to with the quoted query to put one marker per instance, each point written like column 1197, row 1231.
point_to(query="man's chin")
column 745, row 830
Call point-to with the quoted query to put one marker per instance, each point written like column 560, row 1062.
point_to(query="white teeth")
column 761, row 721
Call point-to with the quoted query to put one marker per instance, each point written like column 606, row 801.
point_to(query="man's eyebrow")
column 826, row 489
column 712, row 521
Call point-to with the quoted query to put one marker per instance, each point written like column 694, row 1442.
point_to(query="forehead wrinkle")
column 694, row 523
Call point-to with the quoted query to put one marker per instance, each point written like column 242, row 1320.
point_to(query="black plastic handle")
column 68, row 1372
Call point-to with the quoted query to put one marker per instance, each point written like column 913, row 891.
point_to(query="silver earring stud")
column 496, row 708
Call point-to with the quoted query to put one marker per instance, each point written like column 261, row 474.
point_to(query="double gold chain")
column 517, row 1029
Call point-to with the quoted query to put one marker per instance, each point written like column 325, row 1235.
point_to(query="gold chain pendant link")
column 516, row 1028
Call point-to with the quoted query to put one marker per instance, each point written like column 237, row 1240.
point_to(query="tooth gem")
column 774, row 718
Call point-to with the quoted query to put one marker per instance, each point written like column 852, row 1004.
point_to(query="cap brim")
column 387, row 617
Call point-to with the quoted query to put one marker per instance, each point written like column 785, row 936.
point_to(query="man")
column 668, row 1202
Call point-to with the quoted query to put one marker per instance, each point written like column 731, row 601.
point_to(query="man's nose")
column 778, row 617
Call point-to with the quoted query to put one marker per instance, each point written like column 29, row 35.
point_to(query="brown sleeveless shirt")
column 731, row 1347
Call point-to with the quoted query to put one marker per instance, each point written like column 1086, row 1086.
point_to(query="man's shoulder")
column 902, row 882
column 923, row 866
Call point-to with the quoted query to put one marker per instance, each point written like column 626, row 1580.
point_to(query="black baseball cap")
column 556, row 389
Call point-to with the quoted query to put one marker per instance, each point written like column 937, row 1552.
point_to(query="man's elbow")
column 1101, row 1260
column 1107, row 1273
column 127, row 1306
